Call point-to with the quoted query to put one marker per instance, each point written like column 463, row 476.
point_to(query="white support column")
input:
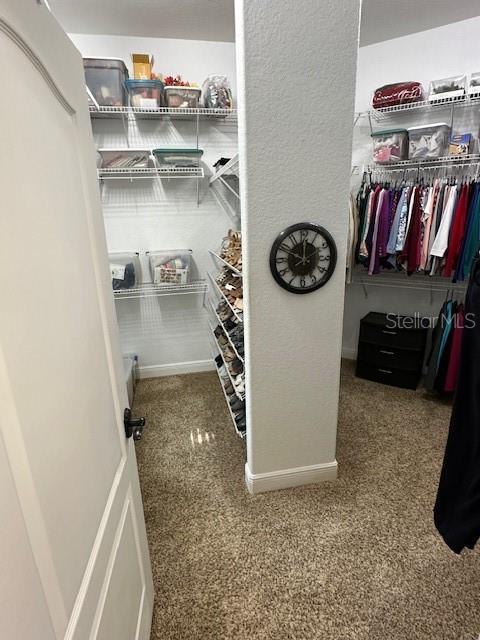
column 296, row 71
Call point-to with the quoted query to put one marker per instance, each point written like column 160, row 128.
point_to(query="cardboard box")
column 460, row 144
column 142, row 66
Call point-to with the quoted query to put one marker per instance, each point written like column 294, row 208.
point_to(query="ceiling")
column 184, row 19
column 213, row 19
column 386, row 19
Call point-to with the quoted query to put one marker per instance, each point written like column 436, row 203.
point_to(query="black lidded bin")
column 106, row 78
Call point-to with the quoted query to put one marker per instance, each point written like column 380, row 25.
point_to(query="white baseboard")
column 285, row 478
column 349, row 354
column 175, row 369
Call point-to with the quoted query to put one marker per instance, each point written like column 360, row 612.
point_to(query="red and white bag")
column 398, row 93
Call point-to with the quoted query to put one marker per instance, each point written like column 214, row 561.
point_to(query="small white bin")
column 170, row 266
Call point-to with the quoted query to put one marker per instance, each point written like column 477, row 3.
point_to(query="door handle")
column 133, row 426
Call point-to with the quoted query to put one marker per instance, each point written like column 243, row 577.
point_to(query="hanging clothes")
column 457, row 506
column 457, row 232
column 429, row 229
column 454, row 359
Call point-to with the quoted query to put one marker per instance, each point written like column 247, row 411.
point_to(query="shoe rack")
column 225, row 307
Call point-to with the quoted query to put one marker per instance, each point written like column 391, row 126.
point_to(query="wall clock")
column 303, row 257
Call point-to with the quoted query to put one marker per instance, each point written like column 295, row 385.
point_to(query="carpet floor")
column 358, row 558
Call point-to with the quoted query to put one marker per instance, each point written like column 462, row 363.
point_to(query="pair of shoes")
column 236, row 366
column 231, row 250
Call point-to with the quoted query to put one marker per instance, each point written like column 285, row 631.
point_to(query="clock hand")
column 292, row 253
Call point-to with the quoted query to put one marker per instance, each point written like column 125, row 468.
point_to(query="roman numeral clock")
column 303, row 257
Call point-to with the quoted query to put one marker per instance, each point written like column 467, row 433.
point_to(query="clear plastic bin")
column 125, row 269
column 474, row 84
column 428, row 141
column 390, row 145
column 145, row 94
column 178, row 157
column 125, row 159
column 216, row 93
column 447, row 88
column 170, row 266
column 182, row 97
column 105, row 78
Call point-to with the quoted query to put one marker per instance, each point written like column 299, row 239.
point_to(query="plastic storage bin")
column 428, row 141
column 125, row 159
column 105, row 77
column 447, row 88
column 474, row 84
column 145, row 94
column 182, row 97
column 390, row 145
column 125, row 269
column 178, row 157
column 170, row 266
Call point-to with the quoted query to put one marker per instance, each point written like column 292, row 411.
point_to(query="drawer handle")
column 387, row 353
column 391, row 333
column 385, row 371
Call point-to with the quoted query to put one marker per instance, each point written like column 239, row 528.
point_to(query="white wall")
column 194, row 60
column 424, row 56
column 168, row 334
column 293, row 342
column 428, row 55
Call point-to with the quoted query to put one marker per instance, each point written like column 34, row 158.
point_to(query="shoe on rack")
column 236, row 366
column 219, row 361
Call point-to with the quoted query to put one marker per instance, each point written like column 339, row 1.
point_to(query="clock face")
column 303, row 257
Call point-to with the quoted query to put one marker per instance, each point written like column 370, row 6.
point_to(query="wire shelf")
column 217, row 317
column 225, row 263
column 232, row 211
column 242, row 434
column 237, row 314
column 435, row 163
column 183, row 113
column 416, row 282
column 151, row 290
column 150, row 172
column 425, row 105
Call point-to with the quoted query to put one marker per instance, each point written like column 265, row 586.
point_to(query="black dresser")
column 391, row 353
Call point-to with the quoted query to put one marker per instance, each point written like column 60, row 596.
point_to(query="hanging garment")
column 457, row 507
column 411, row 250
column 405, row 221
column 427, row 218
column 379, row 240
column 362, row 205
column 402, row 202
column 445, row 351
column 457, row 231
column 434, row 356
column 441, row 239
column 364, row 253
column 471, row 241
column 352, row 238
column 454, row 361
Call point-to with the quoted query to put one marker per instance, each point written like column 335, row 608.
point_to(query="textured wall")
column 296, row 80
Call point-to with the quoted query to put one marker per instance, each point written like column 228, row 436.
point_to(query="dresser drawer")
column 390, row 357
column 376, row 328
column 388, row 375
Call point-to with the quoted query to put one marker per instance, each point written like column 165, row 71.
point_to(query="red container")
column 391, row 95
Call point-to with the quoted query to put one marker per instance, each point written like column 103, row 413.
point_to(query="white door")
column 74, row 559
